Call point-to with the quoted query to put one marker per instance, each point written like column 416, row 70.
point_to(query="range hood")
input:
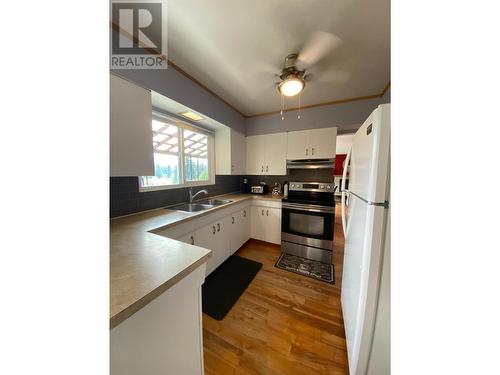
column 311, row 164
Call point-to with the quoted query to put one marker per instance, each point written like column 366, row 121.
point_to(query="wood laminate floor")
column 283, row 323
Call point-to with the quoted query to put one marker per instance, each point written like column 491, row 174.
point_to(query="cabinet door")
column 255, row 154
column 238, row 153
column 242, row 228
column 223, row 236
column 130, row 135
column 245, row 225
column 235, row 232
column 323, row 143
column 206, row 237
column 257, row 225
column 298, row 145
column 272, row 225
column 223, row 151
column 187, row 238
column 275, row 145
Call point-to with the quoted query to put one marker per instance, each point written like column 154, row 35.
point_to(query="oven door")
column 308, row 225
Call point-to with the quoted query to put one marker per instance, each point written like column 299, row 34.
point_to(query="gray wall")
column 347, row 117
column 169, row 82
column 172, row 84
column 125, row 197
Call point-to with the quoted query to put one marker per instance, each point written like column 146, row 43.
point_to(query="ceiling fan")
column 294, row 72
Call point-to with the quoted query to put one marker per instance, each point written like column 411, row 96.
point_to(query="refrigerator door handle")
column 344, row 192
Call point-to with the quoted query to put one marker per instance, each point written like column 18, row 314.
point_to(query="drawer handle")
column 218, row 227
column 267, row 212
column 262, row 169
column 262, row 212
column 213, row 229
column 232, row 220
column 307, row 151
column 244, row 214
column 267, row 168
column 192, row 240
column 312, row 150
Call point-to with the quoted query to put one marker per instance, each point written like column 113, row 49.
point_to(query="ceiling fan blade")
column 318, row 45
column 328, row 77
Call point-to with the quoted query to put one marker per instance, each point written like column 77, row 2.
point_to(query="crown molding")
column 117, row 28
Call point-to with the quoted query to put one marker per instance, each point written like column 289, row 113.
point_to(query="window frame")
column 181, row 125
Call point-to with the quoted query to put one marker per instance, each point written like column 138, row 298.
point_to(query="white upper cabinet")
column 312, row 144
column 298, row 145
column 275, row 151
column 266, row 154
column 255, row 155
column 230, row 152
column 322, row 143
column 131, row 136
column 238, row 152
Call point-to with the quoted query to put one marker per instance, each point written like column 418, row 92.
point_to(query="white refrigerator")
column 366, row 273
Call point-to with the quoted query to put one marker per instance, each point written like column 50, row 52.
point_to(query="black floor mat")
column 306, row 267
column 226, row 284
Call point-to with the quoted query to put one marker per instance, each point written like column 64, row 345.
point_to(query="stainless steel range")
column 307, row 220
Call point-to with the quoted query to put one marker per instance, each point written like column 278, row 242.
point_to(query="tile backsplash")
column 125, row 197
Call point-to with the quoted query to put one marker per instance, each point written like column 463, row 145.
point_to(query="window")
column 195, row 156
column 182, row 156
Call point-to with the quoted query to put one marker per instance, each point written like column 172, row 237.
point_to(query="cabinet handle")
column 192, row 240
column 267, row 212
column 232, row 220
column 218, row 227
column 307, row 151
column 244, row 214
column 213, row 229
column 262, row 212
column 312, row 150
column 267, row 168
column 262, row 169
column 232, row 168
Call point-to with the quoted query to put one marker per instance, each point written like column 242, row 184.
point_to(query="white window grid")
column 201, row 147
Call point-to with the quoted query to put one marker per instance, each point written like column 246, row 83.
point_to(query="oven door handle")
column 308, row 208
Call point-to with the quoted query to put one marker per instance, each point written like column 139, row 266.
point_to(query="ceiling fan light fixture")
column 292, row 85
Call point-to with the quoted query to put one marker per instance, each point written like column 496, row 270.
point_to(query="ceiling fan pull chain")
column 298, row 116
column 282, row 105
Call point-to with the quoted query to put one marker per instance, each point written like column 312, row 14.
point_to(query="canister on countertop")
column 276, row 189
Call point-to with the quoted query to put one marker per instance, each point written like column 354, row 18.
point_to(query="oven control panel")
column 326, row 187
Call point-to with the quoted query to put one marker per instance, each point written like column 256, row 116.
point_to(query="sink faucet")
column 191, row 196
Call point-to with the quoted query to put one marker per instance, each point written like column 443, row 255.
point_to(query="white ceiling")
column 235, row 48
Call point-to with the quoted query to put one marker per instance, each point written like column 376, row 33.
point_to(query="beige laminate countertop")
column 143, row 265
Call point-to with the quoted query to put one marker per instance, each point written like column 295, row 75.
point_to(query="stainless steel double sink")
column 200, row 205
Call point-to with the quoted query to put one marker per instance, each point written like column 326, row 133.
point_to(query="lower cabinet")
column 214, row 236
column 165, row 336
column 260, row 220
column 187, row 238
column 240, row 229
column 266, row 224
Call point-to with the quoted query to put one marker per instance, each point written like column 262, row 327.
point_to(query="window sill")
column 145, row 189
